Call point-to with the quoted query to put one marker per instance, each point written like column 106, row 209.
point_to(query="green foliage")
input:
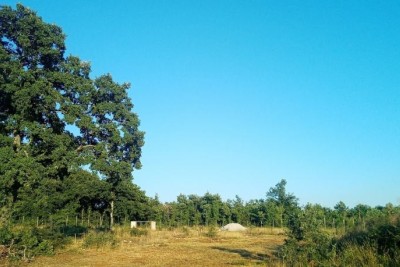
column 73, row 231
column 5, row 235
column 27, row 242
column 185, row 231
column 377, row 245
column 212, row 232
column 139, row 232
column 132, row 203
column 45, row 167
column 384, row 237
column 99, row 239
column 238, row 210
column 286, row 203
column 315, row 250
column 68, row 143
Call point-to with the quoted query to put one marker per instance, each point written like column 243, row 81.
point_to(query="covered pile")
column 233, row 227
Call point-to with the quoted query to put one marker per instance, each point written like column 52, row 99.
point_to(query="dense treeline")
column 316, row 235
column 275, row 210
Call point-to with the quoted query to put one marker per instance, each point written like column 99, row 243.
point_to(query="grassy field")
column 180, row 247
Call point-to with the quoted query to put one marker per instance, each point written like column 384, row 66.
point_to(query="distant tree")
column 359, row 213
column 183, row 209
column 238, row 210
column 132, row 203
column 254, row 209
column 286, row 203
column 225, row 213
column 273, row 213
column 210, row 208
column 341, row 211
column 194, row 205
column 156, row 208
column 314, row 217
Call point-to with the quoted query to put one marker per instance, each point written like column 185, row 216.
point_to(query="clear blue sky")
column 236, row 95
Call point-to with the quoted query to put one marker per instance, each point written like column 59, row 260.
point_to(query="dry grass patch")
column 179, row 247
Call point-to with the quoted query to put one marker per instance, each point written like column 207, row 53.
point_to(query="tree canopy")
column 67, row 141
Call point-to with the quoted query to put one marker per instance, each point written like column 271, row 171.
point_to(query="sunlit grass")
column 177, row 247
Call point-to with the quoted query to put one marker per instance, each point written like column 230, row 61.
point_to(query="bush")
column 212, row 232
column 387, row 239
column 100, row 239
column 27, row 242
column 378, row 245
column 185, row 231
column 381, row 239
column 73, row 230
column 139, row 232
column 358, row 255
column 315, row 250
column 5, row 235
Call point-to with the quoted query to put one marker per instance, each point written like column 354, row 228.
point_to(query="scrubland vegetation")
column 361, row 236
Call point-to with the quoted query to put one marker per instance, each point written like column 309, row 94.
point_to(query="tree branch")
column 81, row 147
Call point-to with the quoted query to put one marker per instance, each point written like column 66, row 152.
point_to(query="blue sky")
column 236, row 95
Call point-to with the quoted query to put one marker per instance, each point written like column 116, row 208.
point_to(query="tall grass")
column 377, row 245
column 100, row 239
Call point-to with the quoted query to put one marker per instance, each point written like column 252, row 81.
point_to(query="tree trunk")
column 17, row 141
column 112, row 215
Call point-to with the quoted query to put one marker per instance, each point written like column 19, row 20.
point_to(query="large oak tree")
column 57, row 124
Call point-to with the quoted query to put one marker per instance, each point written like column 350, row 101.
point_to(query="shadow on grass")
column 245, row 253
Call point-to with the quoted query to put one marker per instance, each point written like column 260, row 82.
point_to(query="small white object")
column 233, row 227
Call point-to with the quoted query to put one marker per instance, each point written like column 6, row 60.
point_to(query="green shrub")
column 5, row 235
column 139, row 232
column 378, row 245
column 100, row 239
column 27, row 242
column 73, row 230
column 185, row 231
column 315, row 250
column 358, row 255
column 212, row 232
column 387, row 239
